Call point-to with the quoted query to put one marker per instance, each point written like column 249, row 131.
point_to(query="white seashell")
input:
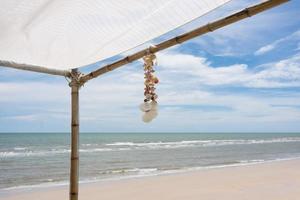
column 146, row 118
column 152, row 113
column 154, row 105
column 149, row 116
column 145, row 107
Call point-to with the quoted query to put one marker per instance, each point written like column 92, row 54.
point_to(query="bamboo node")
column 177, row 39
column 75, row 158
column 108, row 68
column 152, row 49
column 209, row 27
column 127, row 59
column 76, row 78
column 74, row 83
column 248, row 13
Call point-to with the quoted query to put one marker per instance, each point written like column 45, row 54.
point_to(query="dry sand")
column 269, row 181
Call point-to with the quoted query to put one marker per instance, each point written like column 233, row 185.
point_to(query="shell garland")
column 149, row 107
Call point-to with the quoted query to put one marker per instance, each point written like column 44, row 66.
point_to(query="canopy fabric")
column 65, row 34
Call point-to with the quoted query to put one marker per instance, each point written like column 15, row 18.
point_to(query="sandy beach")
column 271, row 181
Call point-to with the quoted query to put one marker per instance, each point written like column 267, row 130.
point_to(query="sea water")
column 29, row 160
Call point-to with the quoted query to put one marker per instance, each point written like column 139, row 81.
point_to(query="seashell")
column 149, row 106
column 145, row 107
column 148, row 96
column 154, row 105
column 152, row 89
column 146, row 118
column 153, row 113
column 155, row 96
column 149, row 116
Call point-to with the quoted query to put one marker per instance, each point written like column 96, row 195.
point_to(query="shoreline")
column 12, row 194
column 48, row 185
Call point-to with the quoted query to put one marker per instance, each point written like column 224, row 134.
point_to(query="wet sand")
column 278, row 180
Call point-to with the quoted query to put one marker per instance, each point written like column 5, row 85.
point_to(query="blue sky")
column 245, row 77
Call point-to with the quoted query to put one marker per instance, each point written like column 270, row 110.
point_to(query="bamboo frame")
column 210, row 27
column 74, row 167
column 34, row 68
column 77, row 79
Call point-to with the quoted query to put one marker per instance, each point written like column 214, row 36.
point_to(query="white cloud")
column 110, row 103
column 265, row 49
column 294, row 37
column 33, row 92
column 22, row 117
column 246, row 36
column 285, row 73
column 105, row 106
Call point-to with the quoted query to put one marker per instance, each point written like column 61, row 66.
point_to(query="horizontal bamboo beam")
column 248, row 12
column 35, row 68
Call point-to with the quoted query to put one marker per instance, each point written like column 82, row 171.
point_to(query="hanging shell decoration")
column 149, row 107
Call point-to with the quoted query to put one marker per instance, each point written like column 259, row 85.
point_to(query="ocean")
column 29, row 160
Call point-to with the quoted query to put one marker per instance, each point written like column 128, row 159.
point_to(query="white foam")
column 86, row 145
column 95, row 150
column 19, row 148
column 140, row 171
column 199, row 143
column 15, row 154
column 252, row 161
column 128, row 146
column 7, row 154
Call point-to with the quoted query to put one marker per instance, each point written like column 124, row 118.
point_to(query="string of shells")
column 149, row 106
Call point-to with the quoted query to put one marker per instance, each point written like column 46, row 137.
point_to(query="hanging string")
column 149, row 107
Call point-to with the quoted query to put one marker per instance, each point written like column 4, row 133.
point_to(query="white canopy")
column 64, row 34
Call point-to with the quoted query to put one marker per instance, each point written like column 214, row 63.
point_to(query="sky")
column 241, row 78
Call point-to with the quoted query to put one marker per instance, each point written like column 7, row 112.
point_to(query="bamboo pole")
column 35, row 68
column 248, row 12
column 74, row 168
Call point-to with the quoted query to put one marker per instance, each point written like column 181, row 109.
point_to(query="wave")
column 138, row 172
column 19, row 153
column 128, row 146
column 192, row 143
column 130, row 170
column 20, row 148
column 95, row 150
column 129, row 173
column 155, row 143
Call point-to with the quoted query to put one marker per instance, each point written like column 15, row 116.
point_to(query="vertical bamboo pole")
column 74, row 168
